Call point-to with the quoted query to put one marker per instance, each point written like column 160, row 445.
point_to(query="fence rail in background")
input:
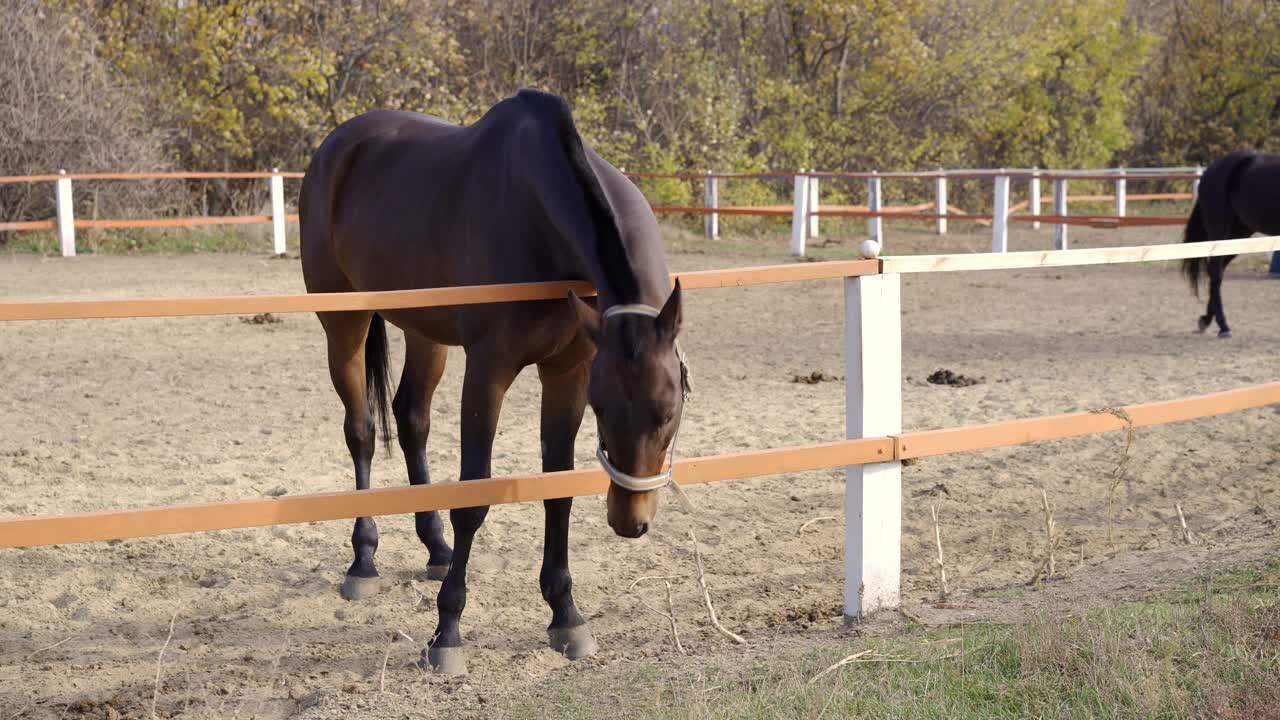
column 872, row 452
column 805, row 209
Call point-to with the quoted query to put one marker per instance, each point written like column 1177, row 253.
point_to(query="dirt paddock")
column 123, row 413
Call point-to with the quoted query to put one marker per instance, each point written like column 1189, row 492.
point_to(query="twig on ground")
column 1117, row 473
column 1186, row 534
column 382, row 679
column 155, row 695
column 1050, row 532
column 33, row 653
column 860, row 658
column 843, row 661
column 942, row 568
column 671, row 616
column 807, row 523
column 706, row 594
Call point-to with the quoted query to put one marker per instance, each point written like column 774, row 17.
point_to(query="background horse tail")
column 1211, row 216
column 1194, row 232
column 377, row 375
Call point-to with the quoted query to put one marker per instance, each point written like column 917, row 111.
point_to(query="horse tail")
column 377, row 375
column 1194, row 232
column 1211, row 218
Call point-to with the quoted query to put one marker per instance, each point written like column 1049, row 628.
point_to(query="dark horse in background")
column 1239, row 196
column 397, row 200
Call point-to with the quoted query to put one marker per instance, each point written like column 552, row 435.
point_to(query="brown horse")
column 1239, row 196
column 397, row 200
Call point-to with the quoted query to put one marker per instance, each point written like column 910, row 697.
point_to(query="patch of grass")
column 255, row 239
column 1211, row 650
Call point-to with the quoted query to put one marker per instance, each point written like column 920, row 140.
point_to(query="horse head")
column 637, row 388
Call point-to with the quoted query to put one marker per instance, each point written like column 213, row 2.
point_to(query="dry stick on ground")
column 33, row 653
column 382, row 679
column 1186, row 534
column 706, row 594
column 942, row 568
column 671, row 617
column 1050, row 533
column 1117, row 474
column 807, row 523
column 155, row 696
column 859, row 658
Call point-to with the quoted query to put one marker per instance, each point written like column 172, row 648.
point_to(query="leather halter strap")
column 663, row 479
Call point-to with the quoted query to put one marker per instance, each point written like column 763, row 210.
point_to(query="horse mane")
column 610, row 250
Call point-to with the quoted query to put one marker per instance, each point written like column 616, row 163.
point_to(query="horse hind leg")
column 423, row 367
column 346, row 333
column 1217, row 267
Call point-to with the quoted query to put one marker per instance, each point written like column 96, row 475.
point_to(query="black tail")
column 1194, row 232
column 377, row 374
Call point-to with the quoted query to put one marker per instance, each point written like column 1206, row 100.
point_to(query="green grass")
column 1212, row 650
column 254, row 239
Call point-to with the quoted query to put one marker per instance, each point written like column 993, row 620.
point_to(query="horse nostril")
column 641, row 529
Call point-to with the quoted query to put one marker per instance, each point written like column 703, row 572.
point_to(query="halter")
column 666, row 478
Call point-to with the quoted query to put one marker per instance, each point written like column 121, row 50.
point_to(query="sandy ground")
column 122, row 413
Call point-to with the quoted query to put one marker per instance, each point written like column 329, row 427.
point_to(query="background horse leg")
column 564, row 398
column 483, row 387
column 423, row 365
column 346, row 333
column 1217, row 266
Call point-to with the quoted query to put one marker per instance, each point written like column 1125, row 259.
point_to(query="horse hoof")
column 359, row 588
column 574, row 643
column 447, row 660
column 1224, row 334
column 436, row 572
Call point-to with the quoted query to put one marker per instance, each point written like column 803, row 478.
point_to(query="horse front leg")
column 483, row 389
column 564, row 399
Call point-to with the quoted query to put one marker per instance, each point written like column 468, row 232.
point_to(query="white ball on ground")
column 869, row 248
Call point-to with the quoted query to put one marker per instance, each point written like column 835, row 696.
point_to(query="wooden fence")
column 872, row 452
column 804, row 211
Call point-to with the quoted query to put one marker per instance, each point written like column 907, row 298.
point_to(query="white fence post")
column 711, row 225
column 66, row 215
column 1121, row 193
column 940, row 200
column 1000, row 216
column 1060, row 209
column 1035, row 196
column 813, row 207
column 799, row 214
column 277, row 211
column 873, row 405
column 1195, row 186
column 875, row 201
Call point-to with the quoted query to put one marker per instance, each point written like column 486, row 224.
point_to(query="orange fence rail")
column 260, row 512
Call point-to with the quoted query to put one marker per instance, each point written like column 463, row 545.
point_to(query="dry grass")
column 1213, row 650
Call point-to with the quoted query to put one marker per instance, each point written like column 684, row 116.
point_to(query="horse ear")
column 587, row 315
column 669, row 319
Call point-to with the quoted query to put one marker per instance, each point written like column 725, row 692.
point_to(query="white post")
column 66, row 215
column 799, row 214
column 1121, row 192
column 277, row 211
column 940, row 201
column 711, row 225
column 1035, row 196
column 1195, row 186
column 1060, row 209
column 1000, row 216
column 875, row 201
column 813, row 207
column 873, row 407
